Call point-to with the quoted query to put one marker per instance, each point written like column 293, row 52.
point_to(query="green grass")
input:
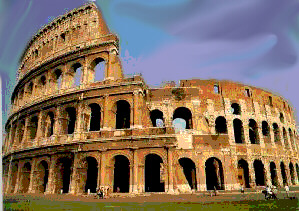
column 282, row 204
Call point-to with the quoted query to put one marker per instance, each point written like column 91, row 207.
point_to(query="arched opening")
column 98, row 67
column 243, row 173
column 42, row 176
column 122, row 114
column 273, row 173
column 71, row 117
column 292, row 139
column 259, row 173
column 95, row 117
column 154, row 173
column 49, row 124
column 214, row 174
column 283, row 173
column 220, row 125
column 276, row 133
column 189, row 170
column 236, row 108
column 291, row 167
column 157, row 118
column 58, row 78
column 253, row 132
column 238, row 131
column 92, row 175
column 285, row 138
column 42, row 83
column 281, row 118
column 63, row 174
column 77, row 74
column 13, row 180
column 185, row 114
column 20, row 132
column 33, row 127
column 25, row 178
column 121, row 174
column 30, row 88
column 266, row 132
column 265, row 128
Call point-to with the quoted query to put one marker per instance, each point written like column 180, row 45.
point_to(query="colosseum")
column 77, row 123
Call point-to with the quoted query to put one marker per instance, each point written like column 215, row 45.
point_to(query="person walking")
column 287, row 189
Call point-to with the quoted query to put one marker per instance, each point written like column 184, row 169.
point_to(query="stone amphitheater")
column 77, row 123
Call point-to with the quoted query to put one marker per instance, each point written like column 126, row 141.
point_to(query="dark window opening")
column 95, row 117
column 214, row 174
column 25, row 178
column 216, row 89
column 92, row 175
column 122, row 114
column 64, row 174
column 33, row 127
column 63, row 37
column 77, row 73
column 285, row 138
column 236, row 108
column 58, row 78
column 276, row 132
column 189, row 170
column 291, row 167
column 238, row 131
column 71, row 112
column 50, row 124
column 283, row 174
column 259, row 173
column 247, row 92
column 273, row 172
column 281, row 118
column 220, row 125
column 265, row 128
column 121, row 174
column 243, row 173
column 253, row 132
column 154, row 174
column 157, row 118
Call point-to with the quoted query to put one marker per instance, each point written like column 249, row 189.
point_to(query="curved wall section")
column 77, row 123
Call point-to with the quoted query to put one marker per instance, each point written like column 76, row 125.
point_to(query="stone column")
column 79, row 120
column 26, row 135
column 40, row 126
column 58, row 119
column 74, row 175
column 51, row 181
column 108, row 115
column 135, row 171
column 137, row 112
column 246, row 131
column 260, row 134
column 17, row 185
column 103, row 167
column 9, row 177
column 170, row 173
column 251, row 174
column 267, row 172
column 32, row 176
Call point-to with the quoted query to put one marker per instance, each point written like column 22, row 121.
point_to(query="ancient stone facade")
column 71, row 131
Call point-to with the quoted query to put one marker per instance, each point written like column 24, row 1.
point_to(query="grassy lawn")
column 282, row 204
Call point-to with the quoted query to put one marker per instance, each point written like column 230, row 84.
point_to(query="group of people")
column 102, row 192
column 270, row 192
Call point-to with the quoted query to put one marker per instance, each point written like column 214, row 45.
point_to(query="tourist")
column 242, row 188
column 287, row 189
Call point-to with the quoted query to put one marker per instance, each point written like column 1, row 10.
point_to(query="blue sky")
column 255, row 42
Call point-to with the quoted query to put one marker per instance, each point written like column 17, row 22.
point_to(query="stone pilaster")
column 137, row 110
column 51, row 181
column 170, row 172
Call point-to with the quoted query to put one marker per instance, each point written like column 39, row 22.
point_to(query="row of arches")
column 58, row 79
column 154, row 174
column 221, row 128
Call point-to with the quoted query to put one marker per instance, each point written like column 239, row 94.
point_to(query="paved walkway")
column 203, row 197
